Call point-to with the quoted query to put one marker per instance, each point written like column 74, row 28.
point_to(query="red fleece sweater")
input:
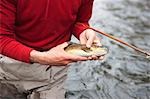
column 39, row 24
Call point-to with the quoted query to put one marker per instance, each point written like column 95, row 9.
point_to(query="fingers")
column 83, row 38
column 91, row 36
column 90, row 42
column 101, row 57
column 93, row 57
column 75, row 57
column 97, row 41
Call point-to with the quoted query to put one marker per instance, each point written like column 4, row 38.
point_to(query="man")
column 35, row 33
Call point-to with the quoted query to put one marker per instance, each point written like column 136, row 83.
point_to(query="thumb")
column 63, row 45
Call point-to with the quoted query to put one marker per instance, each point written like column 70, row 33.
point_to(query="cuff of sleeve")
column 25, row 57
column 79, row 28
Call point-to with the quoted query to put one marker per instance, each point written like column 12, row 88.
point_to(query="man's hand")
column 55, row 56
column 89, row 37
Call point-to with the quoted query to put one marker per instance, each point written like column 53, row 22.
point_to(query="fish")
column 82, row 50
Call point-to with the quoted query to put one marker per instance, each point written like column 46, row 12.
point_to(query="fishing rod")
column 119, row 40
column 125, row 43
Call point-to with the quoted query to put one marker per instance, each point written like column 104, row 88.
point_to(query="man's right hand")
column 55, row 56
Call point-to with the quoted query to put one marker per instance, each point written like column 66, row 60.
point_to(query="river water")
column 125, row 74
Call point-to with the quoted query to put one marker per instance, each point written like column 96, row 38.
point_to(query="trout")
column 82, row 50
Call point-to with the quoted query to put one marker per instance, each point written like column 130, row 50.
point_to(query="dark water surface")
column 125, row 74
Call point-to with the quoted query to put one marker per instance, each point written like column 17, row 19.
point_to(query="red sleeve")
column 8, row 45
column 83, row 17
